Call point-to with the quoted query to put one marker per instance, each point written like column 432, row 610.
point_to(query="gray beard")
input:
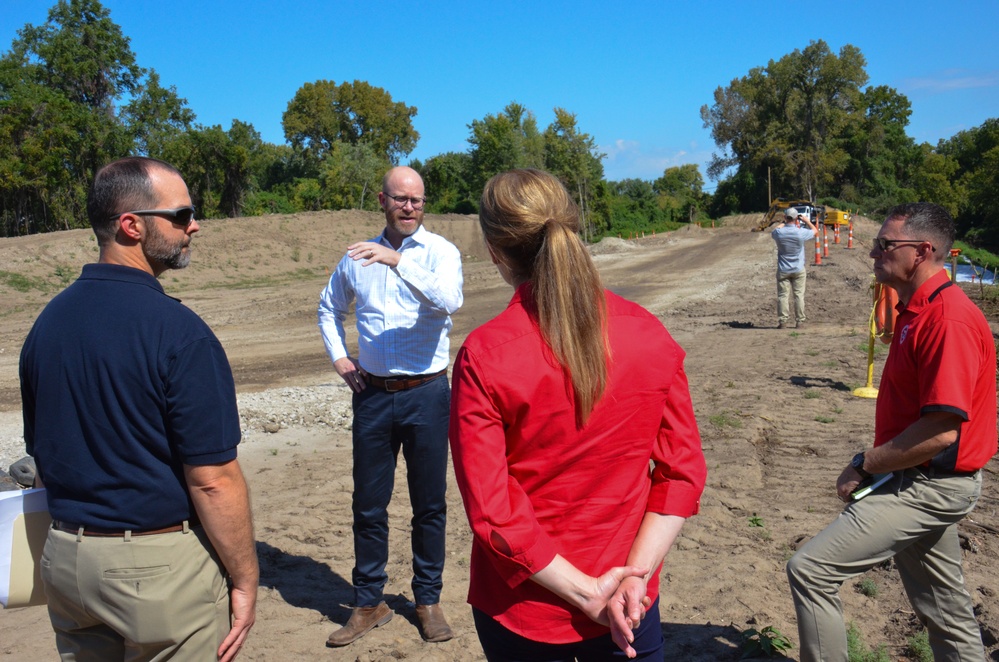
column 157, row 249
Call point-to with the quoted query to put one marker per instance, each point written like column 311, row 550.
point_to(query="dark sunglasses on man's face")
column 882, row 244
column 180, row 215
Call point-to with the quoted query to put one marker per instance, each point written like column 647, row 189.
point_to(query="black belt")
column 393, row 384
column 934, row 472
column 80, row 529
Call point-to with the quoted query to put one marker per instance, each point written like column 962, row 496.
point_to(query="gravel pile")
column 326, row 405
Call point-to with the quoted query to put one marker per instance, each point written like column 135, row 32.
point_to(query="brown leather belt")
column 393, row 384
column 79, row 529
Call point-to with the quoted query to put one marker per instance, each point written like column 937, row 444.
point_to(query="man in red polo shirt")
column 934, row 428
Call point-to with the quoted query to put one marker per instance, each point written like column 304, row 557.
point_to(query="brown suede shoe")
column 433, row 625
column 362, row 621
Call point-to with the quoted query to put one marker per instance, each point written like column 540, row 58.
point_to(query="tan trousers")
column 913, row 520
column 154, row 597
column 791, row 284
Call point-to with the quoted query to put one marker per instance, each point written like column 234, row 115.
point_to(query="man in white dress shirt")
column 406, row 284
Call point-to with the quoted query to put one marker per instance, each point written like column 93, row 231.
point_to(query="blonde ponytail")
column 529, row 218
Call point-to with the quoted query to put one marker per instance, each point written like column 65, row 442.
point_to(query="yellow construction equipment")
column 815, row 213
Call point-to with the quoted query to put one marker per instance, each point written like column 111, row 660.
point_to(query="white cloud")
column 952, row 79
column 629, row 159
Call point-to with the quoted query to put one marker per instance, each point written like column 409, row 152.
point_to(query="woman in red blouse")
column 574, row 444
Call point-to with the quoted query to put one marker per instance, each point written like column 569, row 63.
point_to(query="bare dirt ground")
column 775, row 408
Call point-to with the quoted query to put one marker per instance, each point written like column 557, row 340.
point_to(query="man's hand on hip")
column 350, row 371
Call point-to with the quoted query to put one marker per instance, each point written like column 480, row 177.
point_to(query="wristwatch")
column 858, row 465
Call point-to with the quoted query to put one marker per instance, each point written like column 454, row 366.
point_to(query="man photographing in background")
column 791, row 276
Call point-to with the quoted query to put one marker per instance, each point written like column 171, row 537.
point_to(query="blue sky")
column 635, row 74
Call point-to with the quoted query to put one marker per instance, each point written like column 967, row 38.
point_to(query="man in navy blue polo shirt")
column 130, row 414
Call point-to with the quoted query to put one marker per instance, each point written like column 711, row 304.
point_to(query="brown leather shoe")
column 362, row 620
column 433, row 625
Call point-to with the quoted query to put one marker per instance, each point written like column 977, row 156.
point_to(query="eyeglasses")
column 180, row 215
column 882, row 244
column 401, row 200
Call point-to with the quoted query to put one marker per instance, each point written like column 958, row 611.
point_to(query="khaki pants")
column 145, row 598
column 788, row 284
column 914, row 521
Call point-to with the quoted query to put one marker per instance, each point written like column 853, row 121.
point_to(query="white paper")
column 13, row 504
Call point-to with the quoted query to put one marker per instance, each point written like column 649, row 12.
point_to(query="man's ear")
column 131, row 226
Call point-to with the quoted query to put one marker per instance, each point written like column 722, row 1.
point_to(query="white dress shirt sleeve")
column 440, row 288
column 333, row 305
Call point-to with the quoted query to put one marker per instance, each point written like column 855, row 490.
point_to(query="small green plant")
column 812, row 394
column 296, row 254
column 64, row 274
column 858, row 651
column 812, row 352
column 768, row 642
column 919, row 647
column 879, row 348
column 730, row 385
column 274, row 451
column 867, row 587
column 837, row 410
column 756, row 520
column 724, row 419
column 19, row 282
column 829, row 364
column 825, row 419
column 794, row 334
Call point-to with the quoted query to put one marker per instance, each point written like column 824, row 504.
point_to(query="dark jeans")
column 416, row 420
column 502, row 645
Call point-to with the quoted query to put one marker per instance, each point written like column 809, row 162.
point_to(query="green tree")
column 446, row 178
column 572, row 156
column 217, row 166
column 63, row 114
column 791, row 116
column 156, row 115
column 680, row 191
column 976, row 152
column 504, row 141
column 324, row 113
column 883, row 159
column 351, row 176
column 936, row 180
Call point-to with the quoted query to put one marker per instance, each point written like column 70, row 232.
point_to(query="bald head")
column 402, row 198
column 399, row 174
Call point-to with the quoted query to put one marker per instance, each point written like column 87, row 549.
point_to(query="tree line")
column 809, row 126
column 73, row 97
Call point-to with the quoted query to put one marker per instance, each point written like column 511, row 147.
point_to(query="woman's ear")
column 493, row 255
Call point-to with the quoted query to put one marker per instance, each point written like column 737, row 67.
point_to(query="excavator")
column 816, row 213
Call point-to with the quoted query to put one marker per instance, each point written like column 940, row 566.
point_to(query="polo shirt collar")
column 121, row 273
column 927, row 292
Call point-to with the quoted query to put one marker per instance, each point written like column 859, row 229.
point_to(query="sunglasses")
column 180, row 215
column 882, row 244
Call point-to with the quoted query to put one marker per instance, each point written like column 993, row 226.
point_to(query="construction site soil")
column 777, row 417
